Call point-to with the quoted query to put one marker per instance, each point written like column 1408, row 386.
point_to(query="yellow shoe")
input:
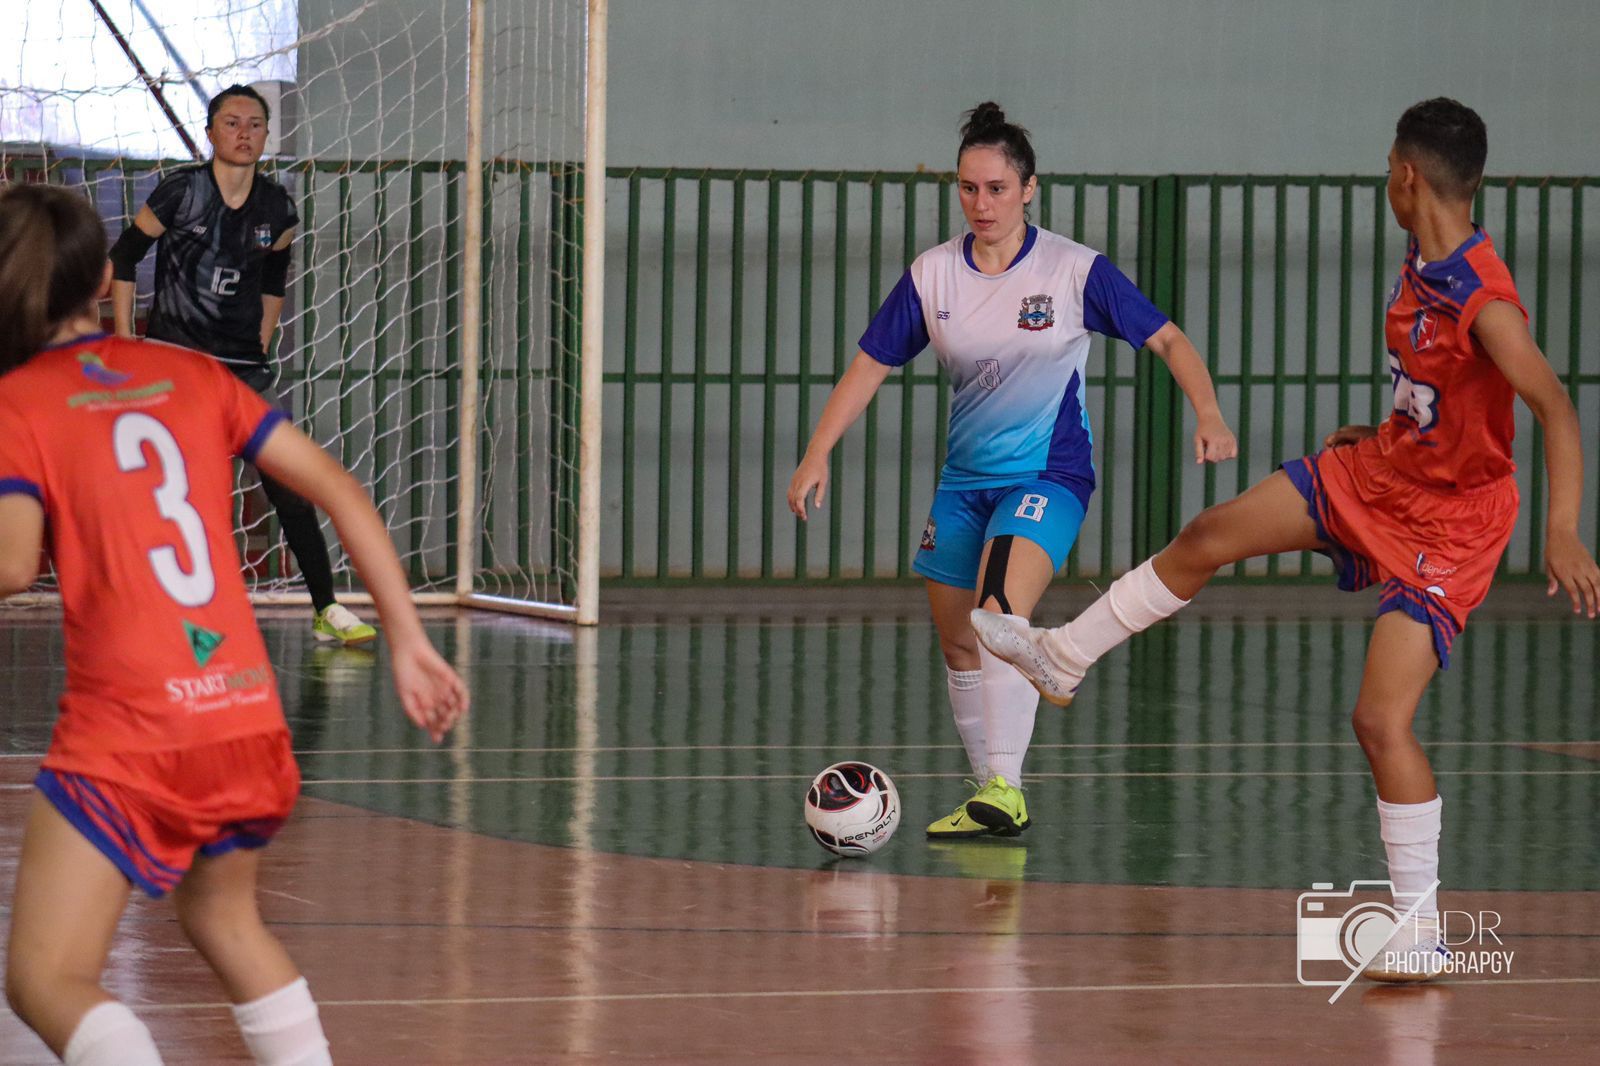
column 338, row 622
column 957, row 825
column 1000, row 807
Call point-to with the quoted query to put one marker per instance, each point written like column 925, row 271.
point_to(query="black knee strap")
column 994, row 574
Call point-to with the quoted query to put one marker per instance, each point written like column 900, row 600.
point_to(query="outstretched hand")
column 433, row 695
column 1570, row 566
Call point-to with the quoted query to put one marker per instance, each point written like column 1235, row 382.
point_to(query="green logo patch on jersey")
column 203, row 643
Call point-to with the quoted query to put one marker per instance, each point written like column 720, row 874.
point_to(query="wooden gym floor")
column 608, row 864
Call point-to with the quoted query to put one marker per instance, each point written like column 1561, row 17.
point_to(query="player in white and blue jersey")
column 1008, row 308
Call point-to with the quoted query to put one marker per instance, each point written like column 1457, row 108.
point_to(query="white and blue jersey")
column 1015, row 346
column 1020, row 459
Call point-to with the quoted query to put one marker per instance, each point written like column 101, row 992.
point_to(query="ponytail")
column 52, row 259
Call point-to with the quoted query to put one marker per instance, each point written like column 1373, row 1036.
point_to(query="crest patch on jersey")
column 1424, row 330
column 1038, row 312
column 929, row 534
column 263, row 234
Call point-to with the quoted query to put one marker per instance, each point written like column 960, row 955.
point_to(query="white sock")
column 966, row 701
column 1009, row 705
column 282, row 1028
column 1135, row 601
column 1410, row 834
column 110, row 1035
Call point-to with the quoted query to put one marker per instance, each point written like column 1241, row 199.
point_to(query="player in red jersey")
column 1423, row 504
column 170, row 765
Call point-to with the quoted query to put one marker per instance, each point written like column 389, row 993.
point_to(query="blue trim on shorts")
column 1354, row 570
column 243, row 836
column 49, row 785
column 1419, row 606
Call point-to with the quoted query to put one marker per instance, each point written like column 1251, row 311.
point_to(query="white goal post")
column 442, row 333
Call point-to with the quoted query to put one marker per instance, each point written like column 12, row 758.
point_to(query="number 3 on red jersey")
column 129, row 434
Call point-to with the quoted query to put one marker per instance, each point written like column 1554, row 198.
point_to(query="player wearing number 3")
column 170, row 764
column 1008, row 308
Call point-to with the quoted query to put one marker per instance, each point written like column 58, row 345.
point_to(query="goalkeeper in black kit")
column 222, row 235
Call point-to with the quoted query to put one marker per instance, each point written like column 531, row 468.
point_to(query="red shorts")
column 210, row 799
column 1435, row 552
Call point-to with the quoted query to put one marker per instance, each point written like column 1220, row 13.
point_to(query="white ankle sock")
column 1410, row 834
column 282, row 1028
column 109, row 1035
column 966, row 702
column 1136, row 601
column 1009, row 705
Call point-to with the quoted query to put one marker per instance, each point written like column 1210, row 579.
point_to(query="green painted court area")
column 1211, row 752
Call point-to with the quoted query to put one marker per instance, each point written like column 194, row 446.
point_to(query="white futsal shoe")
column 1011, row 638
column 1413, row 953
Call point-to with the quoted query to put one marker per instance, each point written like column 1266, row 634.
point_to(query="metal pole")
column 471, row 311
column 150, row 83
column 594, row 272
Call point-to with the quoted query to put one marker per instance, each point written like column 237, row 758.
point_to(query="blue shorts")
column 962, row 521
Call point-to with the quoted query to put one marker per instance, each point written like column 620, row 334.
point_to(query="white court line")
column 1178, row 745
column 835, row 993
column 1045, row 775
column 567, row 780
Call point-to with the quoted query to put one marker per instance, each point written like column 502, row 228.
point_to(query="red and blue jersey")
column 128, row 446
column 1453, row 416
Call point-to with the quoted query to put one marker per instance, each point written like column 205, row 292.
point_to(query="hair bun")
column 986, row 116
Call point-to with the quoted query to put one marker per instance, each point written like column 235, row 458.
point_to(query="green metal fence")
column 737, row 300
column 740, row 296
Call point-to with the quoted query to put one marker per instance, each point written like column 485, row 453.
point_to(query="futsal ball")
column 852, row 808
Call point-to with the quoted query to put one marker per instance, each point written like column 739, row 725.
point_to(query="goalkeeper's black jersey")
column 208, row 263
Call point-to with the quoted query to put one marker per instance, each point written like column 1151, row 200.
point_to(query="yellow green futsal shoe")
column 958, row 825
column 338, row 622
column 1000, row 807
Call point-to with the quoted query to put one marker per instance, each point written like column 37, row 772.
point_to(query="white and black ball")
column 852, row 808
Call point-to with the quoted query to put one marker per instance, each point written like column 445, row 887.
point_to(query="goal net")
column 431, row 334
